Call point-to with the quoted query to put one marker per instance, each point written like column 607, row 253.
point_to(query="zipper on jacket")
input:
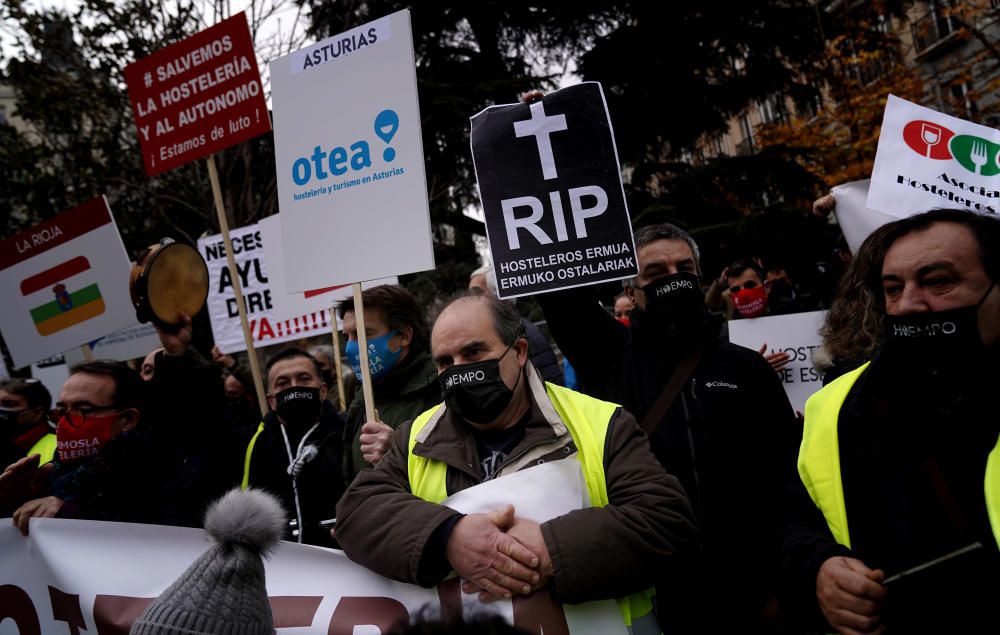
column 696, row 500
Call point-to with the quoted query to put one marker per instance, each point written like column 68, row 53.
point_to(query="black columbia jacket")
column 730, row 437
column 321, row 481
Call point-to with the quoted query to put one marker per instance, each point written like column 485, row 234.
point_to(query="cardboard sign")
column 84, row 573
column 349, row 158
column 288, row 304
column 855, row 220
column 248, row 248
column 796, row 334
column 927, row 160
column 65, row 283
column 552, row 193
column 198, row 96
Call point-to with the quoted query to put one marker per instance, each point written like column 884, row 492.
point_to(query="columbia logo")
column 721, row 384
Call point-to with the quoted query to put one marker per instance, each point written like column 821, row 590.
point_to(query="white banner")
column 855, row 220
column 288, row 304
column 248, row 248
column 927, row 159
column 796, row 334
column 349, row 158
column 73, row 575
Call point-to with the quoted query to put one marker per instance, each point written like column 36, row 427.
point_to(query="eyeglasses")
column 80, row 414
column 749, row 284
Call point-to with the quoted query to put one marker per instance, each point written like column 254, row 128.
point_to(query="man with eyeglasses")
column 129, row 451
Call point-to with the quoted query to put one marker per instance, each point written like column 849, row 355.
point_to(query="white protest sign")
column 124, row 344
column 552, row 193
column 83, row 575
column 927, row 159
column 64, row 282
column 855, row 220
column 266, row 329
column 349, row 158
column 796, row 334
column 287, row 304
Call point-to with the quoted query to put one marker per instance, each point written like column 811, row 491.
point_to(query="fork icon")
column 978, row 155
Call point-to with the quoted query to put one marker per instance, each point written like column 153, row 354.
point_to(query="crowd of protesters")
column 714, row 507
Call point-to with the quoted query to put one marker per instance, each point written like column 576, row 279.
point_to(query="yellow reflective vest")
column 587, row 420
column 819, row 460
column 46, row 447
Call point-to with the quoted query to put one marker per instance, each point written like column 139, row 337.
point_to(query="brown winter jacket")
column 596, row 552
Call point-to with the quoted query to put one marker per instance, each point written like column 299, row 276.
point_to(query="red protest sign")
column 198, row 96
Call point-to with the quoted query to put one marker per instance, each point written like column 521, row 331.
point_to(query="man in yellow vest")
column 24, row 421
column 895, row 517
column 498, row 417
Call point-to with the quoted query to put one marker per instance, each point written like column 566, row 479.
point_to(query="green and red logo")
column 68, row 307
column 934, row 141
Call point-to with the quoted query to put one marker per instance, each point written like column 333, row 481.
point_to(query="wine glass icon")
column 931, row 136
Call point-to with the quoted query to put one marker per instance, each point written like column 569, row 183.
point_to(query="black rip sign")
column 552, row 193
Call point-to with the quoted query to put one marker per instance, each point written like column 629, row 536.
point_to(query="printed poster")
column 927, row 159
column 552, row 193
column 65, row 283
column 266, row 329
column 349, row 158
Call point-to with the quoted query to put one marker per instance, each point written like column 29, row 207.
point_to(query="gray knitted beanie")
column 223, row 592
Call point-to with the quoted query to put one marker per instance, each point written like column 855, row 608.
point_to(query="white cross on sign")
column 541, row 126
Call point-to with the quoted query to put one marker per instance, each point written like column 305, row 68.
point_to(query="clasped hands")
column 499, row 555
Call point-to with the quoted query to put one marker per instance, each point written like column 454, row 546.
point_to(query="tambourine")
column 167, row 280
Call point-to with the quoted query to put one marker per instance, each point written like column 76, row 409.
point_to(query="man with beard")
column 716, row 415
column 895, row 515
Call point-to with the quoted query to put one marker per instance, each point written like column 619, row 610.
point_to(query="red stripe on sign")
column 316, row 292
column 56, row 274
column 54, row 232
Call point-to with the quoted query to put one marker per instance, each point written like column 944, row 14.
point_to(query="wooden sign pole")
column 366, row 373
column 213, row 175
column 338, row 364
column 88, row 352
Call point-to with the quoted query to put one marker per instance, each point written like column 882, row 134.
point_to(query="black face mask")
column 298, row 405
column 675, row 302
column 476, row 391
column 937, row 337
column 10, row 425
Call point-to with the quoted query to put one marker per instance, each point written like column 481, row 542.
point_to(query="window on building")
column 772, row 109
column 962, row 99
column 746, row 146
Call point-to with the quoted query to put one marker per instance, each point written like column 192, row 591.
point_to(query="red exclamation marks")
column 297, row 328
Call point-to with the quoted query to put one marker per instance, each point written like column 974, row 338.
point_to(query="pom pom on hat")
column 223, row 591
